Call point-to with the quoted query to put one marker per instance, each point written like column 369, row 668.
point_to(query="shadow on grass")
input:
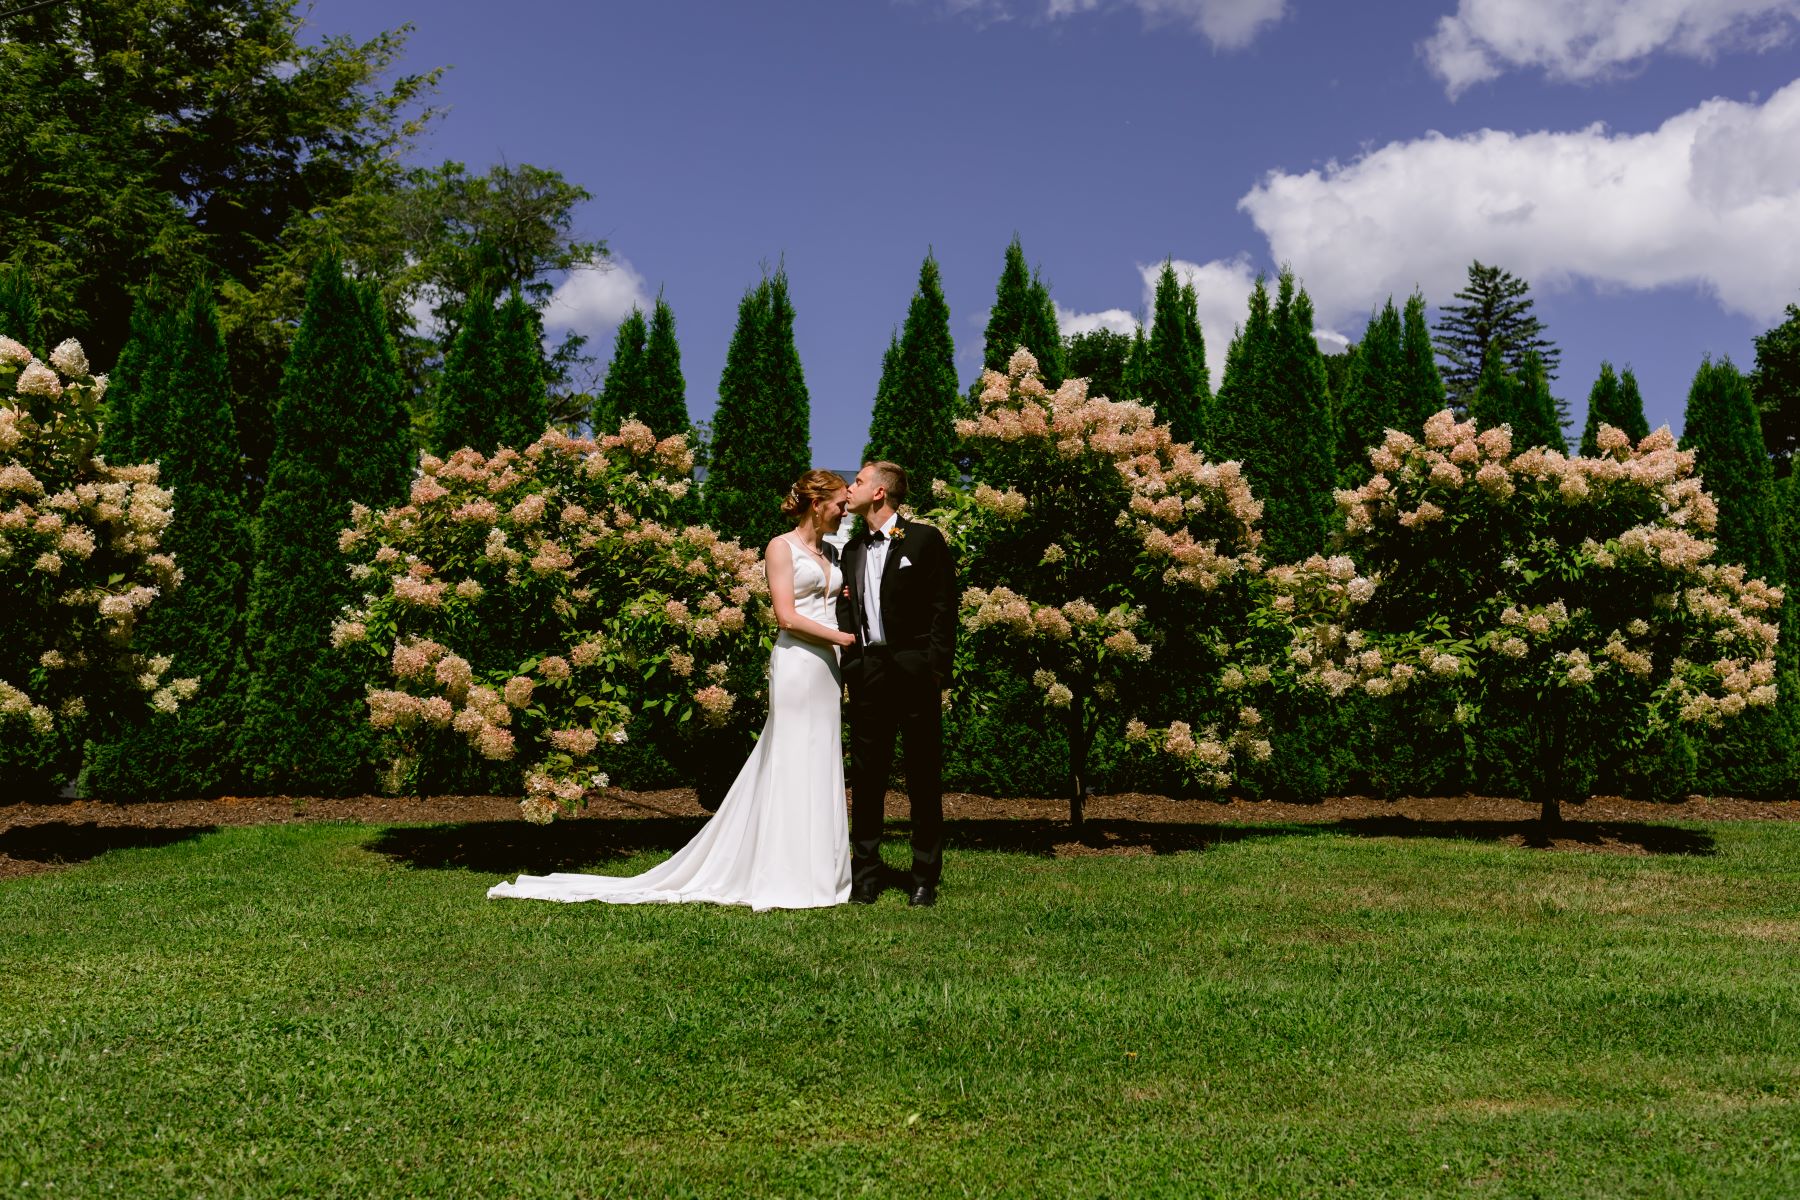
column 68, row 842
column 507, row 847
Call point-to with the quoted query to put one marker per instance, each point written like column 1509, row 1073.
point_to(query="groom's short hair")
column 893, row 478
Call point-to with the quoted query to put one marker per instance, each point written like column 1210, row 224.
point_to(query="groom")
column 900, row 596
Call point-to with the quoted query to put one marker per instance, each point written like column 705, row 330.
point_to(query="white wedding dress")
column 781, row 837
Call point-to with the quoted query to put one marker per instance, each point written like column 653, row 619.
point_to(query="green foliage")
column 665, row 390
column 625, row 393
column 341, row 439
column 1521, row 401
column 463, row 406
column 916, row 402
column 201, row 625
column 1273, row 415
column 1173, row 381
column 1721, row 427
column 491, row 391
column 519, row 406
column 1022, row 315
column 1494, row 317
column 1371, row 401
column 21, row 316
column 1613, row 401
column 1775, row 383
column 1103, row 357
column 1421, row 387
column 761, row 432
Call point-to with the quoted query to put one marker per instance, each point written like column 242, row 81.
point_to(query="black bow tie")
column 875, row 535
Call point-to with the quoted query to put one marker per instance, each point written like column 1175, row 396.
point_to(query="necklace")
column 818, row 556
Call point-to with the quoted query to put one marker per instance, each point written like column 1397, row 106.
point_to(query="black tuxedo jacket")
column 918, row 599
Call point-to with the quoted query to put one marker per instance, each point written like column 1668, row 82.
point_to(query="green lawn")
column 334, row 1010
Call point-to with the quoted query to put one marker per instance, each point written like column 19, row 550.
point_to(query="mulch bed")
column 490, row 834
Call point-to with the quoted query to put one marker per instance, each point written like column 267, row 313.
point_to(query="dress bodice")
column 816, row 586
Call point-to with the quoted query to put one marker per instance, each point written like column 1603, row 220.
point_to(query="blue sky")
column 1638, row 163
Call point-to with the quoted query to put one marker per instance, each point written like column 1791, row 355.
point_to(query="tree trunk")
column 1078, row 753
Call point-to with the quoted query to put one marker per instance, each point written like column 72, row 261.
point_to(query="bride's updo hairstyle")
column 812, row 488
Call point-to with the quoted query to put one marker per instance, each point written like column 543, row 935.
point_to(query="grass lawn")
column 329, row 1010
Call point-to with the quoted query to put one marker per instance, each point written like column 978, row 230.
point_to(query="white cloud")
column 1709, row 199
column 1591, row 39
column 1069, row 322
column 1228, row 24
column 597, row 298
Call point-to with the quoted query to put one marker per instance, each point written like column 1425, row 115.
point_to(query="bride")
column 780, row 838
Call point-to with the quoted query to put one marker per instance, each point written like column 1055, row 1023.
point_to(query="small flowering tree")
column 79, row 561
column 1096, row 546
column 538, row 607
column 1574, row 599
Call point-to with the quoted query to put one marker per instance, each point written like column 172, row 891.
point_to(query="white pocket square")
column 904, row 563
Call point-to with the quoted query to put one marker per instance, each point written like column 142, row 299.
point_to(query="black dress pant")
column 893, row 695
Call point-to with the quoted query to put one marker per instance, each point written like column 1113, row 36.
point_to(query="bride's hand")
column 846, row 639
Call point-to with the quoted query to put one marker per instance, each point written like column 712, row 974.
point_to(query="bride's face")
column 829, row 513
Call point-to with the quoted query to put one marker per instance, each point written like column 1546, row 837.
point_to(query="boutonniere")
column 899, row 532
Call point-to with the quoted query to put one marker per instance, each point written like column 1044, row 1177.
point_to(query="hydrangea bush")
column 539, row 607
column 1097, row 549
column 79, row 560
column 1574, row 599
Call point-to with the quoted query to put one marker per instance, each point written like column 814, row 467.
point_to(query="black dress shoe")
column 864, row 895
column 923, row 896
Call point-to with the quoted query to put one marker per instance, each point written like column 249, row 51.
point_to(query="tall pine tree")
column 341, row 437
column 1174, row 381
column 1494, row 317
column 1721, row 427
column 200, row 624
column 521, row 400
column 1421, row 387
column 459, row 417
column 625, row 392
column 915, row 405
column 762, row 430
column 665, row 390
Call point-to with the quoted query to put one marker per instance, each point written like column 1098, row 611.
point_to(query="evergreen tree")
column 138, row 372
column 1494, row 317
column 761, row 432
column 916, row 403
column 625, row 392
column 463, row 400
column 1174, row 379
column 1613, row 401
column 520, row 392
column 200, row 624
column 1370, row 404
column 1721, row 427
column 1103, row 358
column 1540, row 415
column 1136, row 364
column 1775, row 383
column 665, row 390
column 341, row 437
column 1421, row 387
column 1273, row 415
column 21, row 317
column 1023, row 315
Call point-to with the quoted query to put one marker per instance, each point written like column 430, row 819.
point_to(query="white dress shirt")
column 875, row 556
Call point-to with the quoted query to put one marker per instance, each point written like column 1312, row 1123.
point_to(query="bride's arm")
column 778, row 561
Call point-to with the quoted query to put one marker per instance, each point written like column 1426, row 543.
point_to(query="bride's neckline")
column 817, row 556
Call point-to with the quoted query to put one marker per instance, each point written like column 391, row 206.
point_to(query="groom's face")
column 866, row 492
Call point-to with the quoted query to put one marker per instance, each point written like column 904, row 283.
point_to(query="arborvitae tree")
column 1103, row 358
column 1610, row 402
column 1421, row 387
column 915, row 407
column 1540, row 415
column 1337, row 374
column 1370, row 404
column 1137, row 364
column 1494, row 317
column 1174, row 381
column 1273, row 415
column 460, row 417
column 665, row 390
column 200, row 625
column 1775, row 383
column 21, row 319
column 1722, row 429
column 521, row 410
column 341, row 437
column 137, row 374
column 625, row 392
column 1023, row 315
column 761, row 435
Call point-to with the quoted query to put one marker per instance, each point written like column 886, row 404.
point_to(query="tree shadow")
column 1050, row 838
column 509, row 847
column 69, row 842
